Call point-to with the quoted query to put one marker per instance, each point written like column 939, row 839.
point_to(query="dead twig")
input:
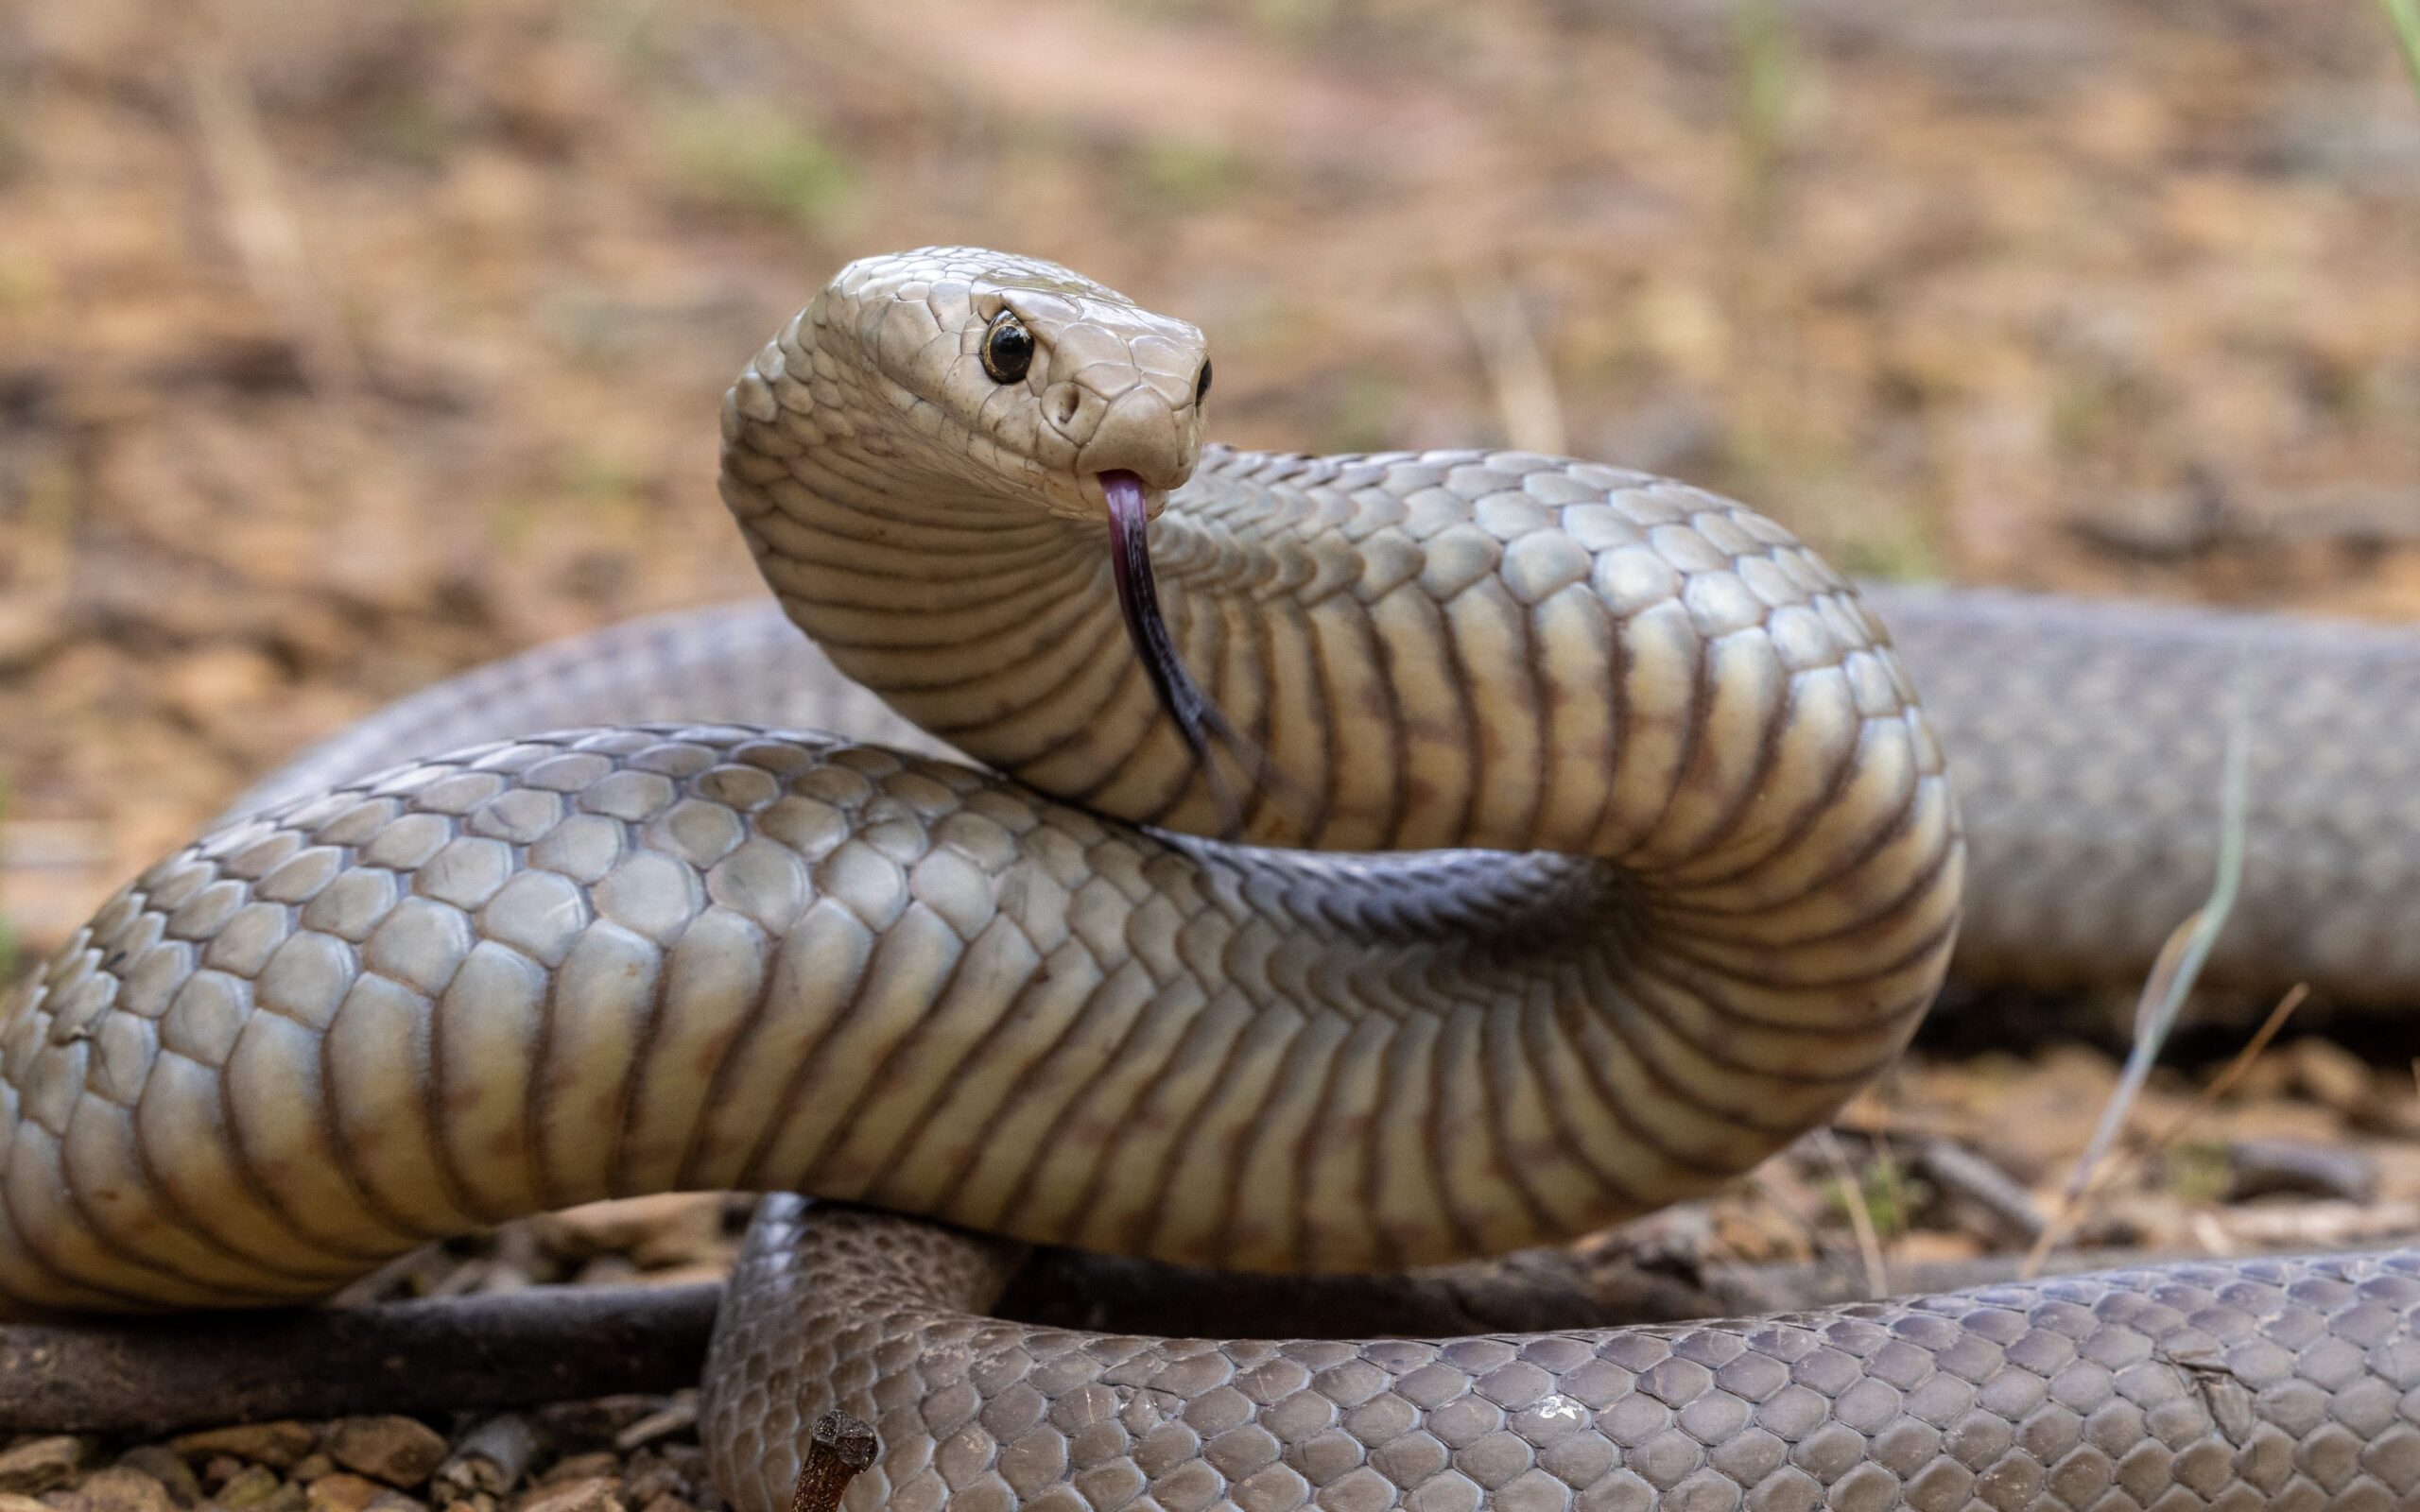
column 1521, row 379
column 839, row 1447
column 260, row 218
column 2002, row 1205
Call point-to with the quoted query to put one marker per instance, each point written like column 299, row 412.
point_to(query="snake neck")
column 995, row 624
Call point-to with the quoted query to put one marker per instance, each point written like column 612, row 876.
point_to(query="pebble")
column 169, row 1468
column 400, row 1452
column 279, row 1445
column 120, row 1488
column 41, row 1463
column 251, row 1486
column 559, row 1458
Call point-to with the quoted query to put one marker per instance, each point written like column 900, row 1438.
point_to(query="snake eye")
column 1008, row 349
column 1202, row 383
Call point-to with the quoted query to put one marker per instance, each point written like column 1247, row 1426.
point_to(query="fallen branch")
column 510, row 1349
column 569, row 1343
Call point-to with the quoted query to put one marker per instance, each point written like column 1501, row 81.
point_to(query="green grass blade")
column 2405, row 17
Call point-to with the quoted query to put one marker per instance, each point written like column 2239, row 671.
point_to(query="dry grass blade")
column 1527, row 401
column 2064, row 1219
column 2165, row 990
column 2404, row 15
column 1869, row 1243
column 259, row 217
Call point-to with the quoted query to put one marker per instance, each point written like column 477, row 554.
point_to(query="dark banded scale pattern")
column 1678, row 868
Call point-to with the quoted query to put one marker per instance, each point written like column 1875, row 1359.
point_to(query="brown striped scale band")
column 1590, row 845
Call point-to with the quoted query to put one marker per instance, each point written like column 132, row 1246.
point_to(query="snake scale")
column 1578, row 841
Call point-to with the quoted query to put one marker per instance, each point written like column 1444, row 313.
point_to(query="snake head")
column 1025, row 379
column 982, row 385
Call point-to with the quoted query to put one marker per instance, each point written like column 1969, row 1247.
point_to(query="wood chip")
column 678, row 1417
column 279, row 1445
column 592, row 1493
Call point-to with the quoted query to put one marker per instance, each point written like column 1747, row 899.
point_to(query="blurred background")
column 344, row 346
column 347, row 345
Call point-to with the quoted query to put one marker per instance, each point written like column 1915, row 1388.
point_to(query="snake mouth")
column 1198, row 720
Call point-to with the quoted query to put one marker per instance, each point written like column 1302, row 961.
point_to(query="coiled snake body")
column 1592, row 846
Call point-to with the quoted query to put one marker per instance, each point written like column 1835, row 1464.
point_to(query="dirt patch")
column 342, row 347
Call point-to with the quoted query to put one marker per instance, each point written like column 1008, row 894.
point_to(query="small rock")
column 251, row 1486
column 120, row 1488
column 280, row 1445
column 339, row 1491
column 12, row 1502
column 400, row 1451
column 166, row 1465
column 311, row 1467
column 590, row 1493
column 39, row 1465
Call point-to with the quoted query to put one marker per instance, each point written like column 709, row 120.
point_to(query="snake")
column 1108, row 840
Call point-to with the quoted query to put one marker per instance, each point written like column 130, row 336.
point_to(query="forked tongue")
column 1198, row 720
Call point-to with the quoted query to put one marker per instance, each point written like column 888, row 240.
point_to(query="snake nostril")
column 1064, row 404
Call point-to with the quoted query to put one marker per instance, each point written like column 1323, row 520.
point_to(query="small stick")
column 840, row 1446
